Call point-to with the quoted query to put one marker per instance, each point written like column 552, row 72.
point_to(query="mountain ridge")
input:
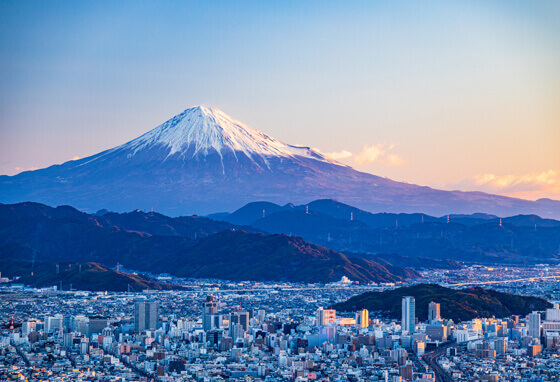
column 344, row 228
column 31, row 233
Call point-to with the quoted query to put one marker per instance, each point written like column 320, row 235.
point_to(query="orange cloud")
column 344, row 154
column 379, row 153
column 527, row 186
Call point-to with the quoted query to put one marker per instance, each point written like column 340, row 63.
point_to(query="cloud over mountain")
column 529, row 186
column 203, row 161
column 379, row 153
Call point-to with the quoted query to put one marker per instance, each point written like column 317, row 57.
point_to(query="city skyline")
column 454, row 96
column 280, row 191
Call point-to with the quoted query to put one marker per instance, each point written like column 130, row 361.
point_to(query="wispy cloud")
column 379, row 153
column 344, row 154
column 393, row 160
column 529, row 186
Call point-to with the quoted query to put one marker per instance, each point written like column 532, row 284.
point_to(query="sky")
column 453, row 95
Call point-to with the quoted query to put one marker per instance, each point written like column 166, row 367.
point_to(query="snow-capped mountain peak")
column 203, row 161
column 204, row 130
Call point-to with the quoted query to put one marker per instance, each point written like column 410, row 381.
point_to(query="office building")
column 210, row 317
column 241, row 318
column 146, row 316
column 53, row 324
column 406, row 371
column 214, row 336
column 433, row 311
column 408, row 323
column 325, row 316
column 500, row 345
column 553, row 314
column 97, row 324
column 237, row 332
column 362, row 318
column 437, row 332
column 535, row 325
column 534, row 350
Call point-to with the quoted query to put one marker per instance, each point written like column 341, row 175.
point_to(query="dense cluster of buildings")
column 267, row 332
column 222, row 343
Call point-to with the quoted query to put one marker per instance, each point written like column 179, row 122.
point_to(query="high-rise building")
column 437, row 332
column 146, row 316
column 54, row 323
column 324, row 316
column 553, row 314
column 226, row 344
column 237, row 331
column 534, row 349
column 408, row 314
column 244, row 319
column 28, row 327
column 362, row 318
column 406, row 371
column 433, row 311
column 500, row 345
column 214, row 336
column 97, row 324
column 210, row 317
column 261, row 314
column 80, row 324
column 535, row 325
column 68, row 340
column 241, row 318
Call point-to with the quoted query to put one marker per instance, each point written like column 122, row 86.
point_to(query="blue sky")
column 447, row 94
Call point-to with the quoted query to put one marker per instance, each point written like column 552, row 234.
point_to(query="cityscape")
column 279, row 191
column 215, row 330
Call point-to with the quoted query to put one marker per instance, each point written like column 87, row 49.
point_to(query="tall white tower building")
column 535, row 325
column 408, row 314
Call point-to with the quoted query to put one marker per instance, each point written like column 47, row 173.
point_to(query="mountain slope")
column 488, row 239
column 203, row 161
column 90, row 276
column 238, row 255
column 32, row 235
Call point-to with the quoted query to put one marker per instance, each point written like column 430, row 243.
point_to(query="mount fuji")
column 203, row 161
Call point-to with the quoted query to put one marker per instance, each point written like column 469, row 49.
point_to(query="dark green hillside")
column 32, row 234
column 461, row 305
column 238, row 255
column 89, row 276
